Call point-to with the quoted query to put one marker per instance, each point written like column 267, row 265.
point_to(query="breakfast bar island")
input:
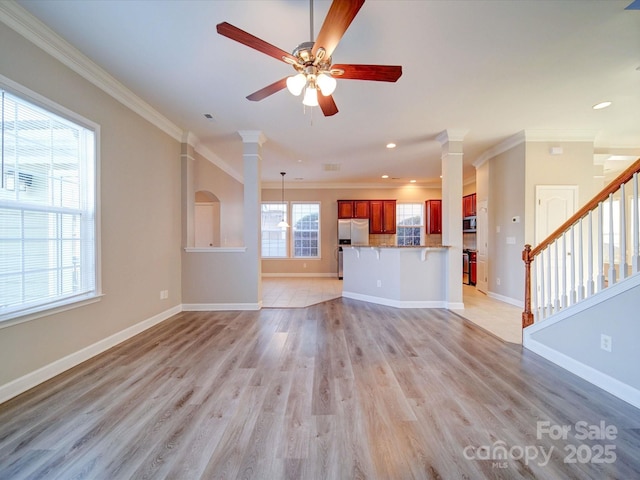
column 397, row 276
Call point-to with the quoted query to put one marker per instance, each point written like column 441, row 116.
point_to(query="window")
column 273, row 237
column 410, row 223
column 47, row 209
column 306, row 229
column 304, row 233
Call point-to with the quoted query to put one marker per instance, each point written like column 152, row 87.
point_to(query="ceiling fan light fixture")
column 310, row 96
column 326, row 83
column 296, row 83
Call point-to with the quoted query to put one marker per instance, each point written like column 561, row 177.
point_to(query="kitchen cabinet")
column 469, row 205
column 383, row 216
column 434, row 216
column 353, row 208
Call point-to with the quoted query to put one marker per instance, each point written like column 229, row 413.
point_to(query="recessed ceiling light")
column 391, row 145
column 601, row 105
column 385, row 176
column 412, row 181
column 440, row 176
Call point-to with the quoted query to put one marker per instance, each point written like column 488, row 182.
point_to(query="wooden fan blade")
column 268, row 90
column 376, row 73
column 234, row 33
column 327, row 105
column 339, row 17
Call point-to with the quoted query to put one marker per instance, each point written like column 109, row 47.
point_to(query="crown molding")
column 451, row 135
column 508, row 144
column 32, row 29
column 191, row 139
column 252, row 136
column 535, row 136
column 347, row 186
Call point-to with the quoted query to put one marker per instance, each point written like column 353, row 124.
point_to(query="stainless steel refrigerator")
column 351, row 232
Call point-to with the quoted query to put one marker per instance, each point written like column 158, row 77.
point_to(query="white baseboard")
column 509, row 300
column 395, row 303
column 217, row 307
column 30, row 380
column 609, row 384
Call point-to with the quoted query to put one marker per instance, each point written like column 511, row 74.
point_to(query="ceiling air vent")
column 331, row 167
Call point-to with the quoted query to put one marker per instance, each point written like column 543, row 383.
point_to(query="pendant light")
column 283, row 223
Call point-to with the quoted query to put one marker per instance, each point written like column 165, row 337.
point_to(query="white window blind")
column 305, row 218
column 410, row 224
column 47, row 209
column 274, row 238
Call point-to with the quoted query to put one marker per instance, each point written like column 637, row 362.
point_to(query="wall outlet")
column 498, row 281
column 164, row 294
column 497, row 228
column 605, row 342
column 379, row 283
column 511, row 240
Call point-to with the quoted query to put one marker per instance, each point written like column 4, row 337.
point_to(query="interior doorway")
column 207, row 220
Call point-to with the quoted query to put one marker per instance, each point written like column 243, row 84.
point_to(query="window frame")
column 62, row 302
column 420, row 227
column 290, row 234
column 286, row 237
column 292, row 249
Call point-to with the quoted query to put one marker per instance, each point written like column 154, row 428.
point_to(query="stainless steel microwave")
column 469, row 224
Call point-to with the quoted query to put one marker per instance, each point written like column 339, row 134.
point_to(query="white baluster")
column 623, row 234
column 601, row 276
column 549, row 302
column 612, row 247
column 574, row 296
column 563, row 265
column 590, row 283
column 556, row 289
column 635, row 260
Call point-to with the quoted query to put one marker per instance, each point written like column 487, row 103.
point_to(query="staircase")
column 582, row 290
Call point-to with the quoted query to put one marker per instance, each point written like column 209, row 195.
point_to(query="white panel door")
column 554, row 205
column 204, row 215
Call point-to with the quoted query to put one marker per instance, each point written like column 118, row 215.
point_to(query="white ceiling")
column 494, row 68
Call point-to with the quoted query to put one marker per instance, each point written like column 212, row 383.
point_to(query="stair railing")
column 587, row 253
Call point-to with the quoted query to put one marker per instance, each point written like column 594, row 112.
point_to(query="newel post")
column 527, row 315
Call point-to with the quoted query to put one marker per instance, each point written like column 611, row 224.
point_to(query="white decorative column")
column 187, row 159
column 252, row 167
column 451, row 141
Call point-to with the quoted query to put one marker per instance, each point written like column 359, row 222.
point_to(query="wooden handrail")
column 624, row 177
column 528, row 254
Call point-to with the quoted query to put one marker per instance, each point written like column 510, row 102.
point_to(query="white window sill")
column 16, row 318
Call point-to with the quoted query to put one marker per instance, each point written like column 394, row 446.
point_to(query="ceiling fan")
column 312, row 60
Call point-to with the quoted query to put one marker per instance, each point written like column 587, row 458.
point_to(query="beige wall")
column 140, row 217
column 506, row 199
column 328, row 198
column 229, row 191
column 573, row 167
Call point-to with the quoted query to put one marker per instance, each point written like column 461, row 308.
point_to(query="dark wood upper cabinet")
column 353, row 208
column 383, row 216
column 434, row 216
column 469, row 205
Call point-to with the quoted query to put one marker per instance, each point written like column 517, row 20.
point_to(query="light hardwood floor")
column 499, row 318
column 339, row 390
